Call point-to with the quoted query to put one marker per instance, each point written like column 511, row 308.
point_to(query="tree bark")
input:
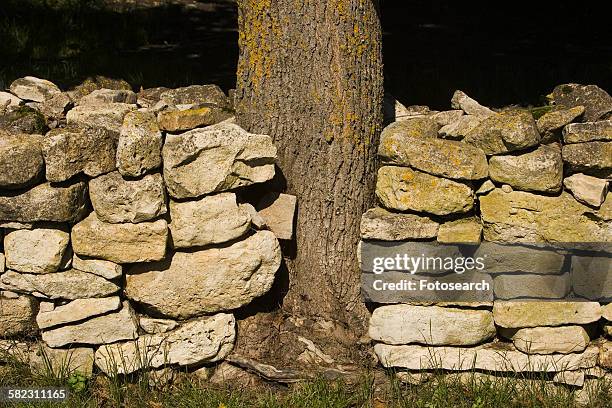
column 310, row 75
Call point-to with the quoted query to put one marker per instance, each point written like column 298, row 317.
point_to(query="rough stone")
column 517, row 286
column 150, row 96
column 504, row 132
column 216, row 158
column 605, row 355
column 56, row 107
column 210, row 220
column 44, row 202
column 41, row 250
column 34, row 89
column 140, row 144
column 519, row 259
column 524, row 217
column 23, row 119
column 378, row 223
column 77, row 310
column 421, row 127
column 464, row 230
column 606, row 312
column 208, row 281
column 592, row 277
column 597, row 102
column 439, row 157
column 177, row 120
column 539, row 170
column 485, row 187
column 571, row 378
column 97, row 82
column 69, row 285
column 549, row 340
column 431, row 325
column 557, row 118
column 21, row 160
column 256, row 220
column 120, row 243
column 71, row 151
column 459, row 129
column 8, row 100
column 62, row 362
column 116, row 200
column 195, row 94
column 445, row 118
column 405, row 189
column 226, row 374
column 104, row 329
column 205, row 340
column 592, row 158
column 587, row 189
column 588, row 132
column 100, row 267
column 278, row 211
column 2, row 262
column 17, row 316
column 102, row 96
column 152, row 326
column 108, row 116
column 521, row 314
column 470, row 106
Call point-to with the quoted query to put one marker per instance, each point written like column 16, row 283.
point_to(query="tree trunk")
column 310, row 75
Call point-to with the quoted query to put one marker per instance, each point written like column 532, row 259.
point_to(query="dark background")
column 499, row 52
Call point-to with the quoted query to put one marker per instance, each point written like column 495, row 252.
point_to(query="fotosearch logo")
column 422, row 263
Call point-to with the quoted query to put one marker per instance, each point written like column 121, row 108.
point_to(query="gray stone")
column 41, row 250
column 539, row 170
column 470, row 106
column 44, row 202
column 519, row 286
column 116, row 200
column 549, row 340
column 100, row 267
column 216, row 158
column 520, row 314
column 587, row 189
column 592, row 277
column 101, row 96
column 210, row 220
column 108, row 116
column 403, row 189
column 278, row 211
column 21, row 160
column 519, row 259
column 459, row 129
column 597, row 102
column 195, row 94
column 77, row 310
column 588, row 132
column 592, row 158
column 200, row 115
column 140, row 144
column 378, row 223
column 34, row 89
column 17, row 316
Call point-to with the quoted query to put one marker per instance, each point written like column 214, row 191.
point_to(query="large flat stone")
column 62, row 362
column 180, row 120
column 216, row 158
column 519, row 259
column 17, row 316
column 516, row 286
column 77, row 310
column 34, row 89
column 44, row 202
column 207, row 281
column 549, row 340
column 419, row 127
column 195, row 94
column 461, row 231
column 140, row 144
column 120, row 243
column 404, row 189
column 21, row 160
column 106, row 116
column 210, row 220
column 106, row 269
column 41, row 250
column 378, row 223
column 432, row 325
column 102, row 96
column 588, row 132
column 593, row 158
column 520, row 314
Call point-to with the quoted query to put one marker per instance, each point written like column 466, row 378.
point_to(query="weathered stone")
column 117, row 200
column 120, row 243
column 44, row 202
column 548, row 340
column 56, row 107
column 557, row 118
column 394, row 110
column 593, row 158
column 516, row 286
column 21, row 160
column 104, row 329
column 597, row 102
column 378, row 223
column 278, row 211
column 216, row 158
column 62, row 362
column 97, row 82
column 8, row 100
column 41, row 250
column 106, row 269
column 504, row 132
column 592, row 277
column 587, row 189
column 225, row 374
column 195, row 94
column 2, row 263
column 524, row 217
column 571, row 378
column 17, row 316
column 150, row 96
column 490, row 357
column 108, row 116
column 606, row 312
column 439, row 157
column 177, row 120
column 520, row 314
column 34, row 89
column 69, row 285
column 519, row 259
column 460, row 128
column 464, row 230
column 588, row 132
column 539, row 170
column 152, row 326
column 605, row 355
column 210, row 220
column 140, row 144
column 204, row 340
column 23, row 119
column 208, row 281
column 421, row 127
column 607, row 329
column 470, row 106
column 77, row 310
column 485, row 187
column 71, row 151
column 101, row 96
column 431, row 325
column 256, row 220
column 445, row 118
column 405, row 189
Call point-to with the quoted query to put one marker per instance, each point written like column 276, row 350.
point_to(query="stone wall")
column 127, row 240
column 511, row 176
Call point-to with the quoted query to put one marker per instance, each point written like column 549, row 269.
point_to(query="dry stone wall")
column 125, row 239
column 507, row 177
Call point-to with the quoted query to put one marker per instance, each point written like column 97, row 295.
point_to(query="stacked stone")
column 124, row 243
column 472, row 174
